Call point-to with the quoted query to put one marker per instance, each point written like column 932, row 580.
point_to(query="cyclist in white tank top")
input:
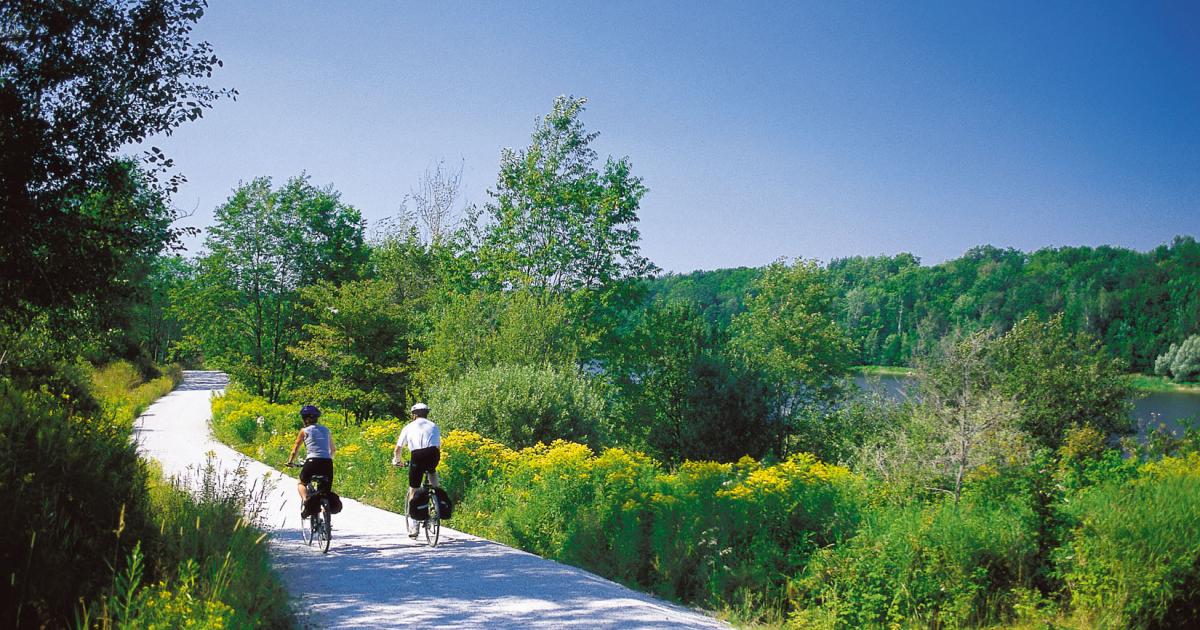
column 318, row 450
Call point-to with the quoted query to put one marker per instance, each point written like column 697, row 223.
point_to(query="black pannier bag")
column 418, row 506
column 445, row 505
column 313, row 504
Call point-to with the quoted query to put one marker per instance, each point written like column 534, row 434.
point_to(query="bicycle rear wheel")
column 433, row 527
column 325, row 529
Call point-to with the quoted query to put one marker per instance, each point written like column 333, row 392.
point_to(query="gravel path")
column 376, row 577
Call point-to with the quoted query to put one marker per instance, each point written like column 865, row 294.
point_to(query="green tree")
column 358, row 349
column 1060, row 380
column 789, row 332
column 1181, row 361
column 79, row 80
column 241, row 309
column 153, row 325
column 483, row 329
column 556, row 221
column 690, row 400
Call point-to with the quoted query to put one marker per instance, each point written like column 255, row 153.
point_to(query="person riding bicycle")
column 318, row 449
column 423, row 440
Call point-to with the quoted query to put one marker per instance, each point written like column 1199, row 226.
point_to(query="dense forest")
column 696, row 436
column 1137, row 304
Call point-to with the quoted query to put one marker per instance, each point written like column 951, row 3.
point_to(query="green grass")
column 1141, row 382
column 1148, row 383
column 882, row 370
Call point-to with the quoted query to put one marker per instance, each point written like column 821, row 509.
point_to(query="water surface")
column 1165, row 409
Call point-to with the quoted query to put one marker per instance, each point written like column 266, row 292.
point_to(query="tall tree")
column 690, row 398
column 556, row 221
column 1060, row 380
column 789, row 332
column 358, row 349
column 79, row 79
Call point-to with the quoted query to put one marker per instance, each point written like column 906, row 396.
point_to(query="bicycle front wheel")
column 307, row 527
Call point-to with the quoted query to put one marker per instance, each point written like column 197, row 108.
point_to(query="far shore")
column 1145, row 383
column 1148, row 383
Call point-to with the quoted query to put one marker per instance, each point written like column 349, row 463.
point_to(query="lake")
column 1166, row 409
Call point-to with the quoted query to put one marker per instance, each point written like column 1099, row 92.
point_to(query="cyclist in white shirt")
column 423, row 440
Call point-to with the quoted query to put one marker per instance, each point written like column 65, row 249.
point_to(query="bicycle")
column 432, row 526
column 320, row 525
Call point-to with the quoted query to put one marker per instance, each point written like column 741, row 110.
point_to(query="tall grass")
column 93, row 524
column 1133, row 559
column 210, row 558
column 1148, row 383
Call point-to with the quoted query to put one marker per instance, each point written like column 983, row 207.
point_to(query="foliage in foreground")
column 208, row 567
column 92, row 510
column 707, row 533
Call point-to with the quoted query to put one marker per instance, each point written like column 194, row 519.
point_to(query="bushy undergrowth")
column 208, row 567
column 550, row 402
column 1133, row 557
column 73, row 480
column 940, row 565
column 91, row 510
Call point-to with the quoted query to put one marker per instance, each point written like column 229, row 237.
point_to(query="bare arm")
column 296, row 446
column 332, row 447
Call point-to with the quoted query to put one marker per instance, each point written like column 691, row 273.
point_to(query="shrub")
column 242, row 419
column 940, row 565
column 1133, row 559
column 1181, row 362
column 81, row 492
column 523, row 405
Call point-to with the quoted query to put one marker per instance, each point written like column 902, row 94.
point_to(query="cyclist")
column 423, row 440
column 319, row 450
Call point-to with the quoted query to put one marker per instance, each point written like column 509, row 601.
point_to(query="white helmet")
column 419, row 407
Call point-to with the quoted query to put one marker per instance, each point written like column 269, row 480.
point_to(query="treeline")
column 1136, row 303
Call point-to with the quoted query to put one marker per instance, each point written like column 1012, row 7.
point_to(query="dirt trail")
column 376, row 577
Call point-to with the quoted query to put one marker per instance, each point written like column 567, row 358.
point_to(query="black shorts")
column 423, row 460
column 316, row 467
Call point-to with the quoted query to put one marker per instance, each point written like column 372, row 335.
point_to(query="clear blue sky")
column 815, row 130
